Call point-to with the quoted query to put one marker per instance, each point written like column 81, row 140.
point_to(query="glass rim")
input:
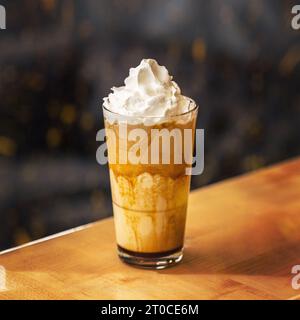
column 191, row 102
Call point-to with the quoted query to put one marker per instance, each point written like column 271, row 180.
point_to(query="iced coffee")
column 149, row 128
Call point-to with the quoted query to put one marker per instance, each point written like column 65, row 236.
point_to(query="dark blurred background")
column 240, row 60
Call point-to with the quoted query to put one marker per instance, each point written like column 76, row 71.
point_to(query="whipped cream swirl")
column 148, row 92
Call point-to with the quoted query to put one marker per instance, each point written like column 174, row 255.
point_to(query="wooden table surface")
column 242, row 240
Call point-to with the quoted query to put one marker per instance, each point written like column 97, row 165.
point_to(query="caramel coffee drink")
column 149, row 128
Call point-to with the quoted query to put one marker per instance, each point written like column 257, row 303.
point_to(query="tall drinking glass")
column 149, row 158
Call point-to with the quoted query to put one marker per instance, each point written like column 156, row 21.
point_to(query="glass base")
column 156, row 261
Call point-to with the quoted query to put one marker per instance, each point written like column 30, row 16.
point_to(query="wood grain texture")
column 242, row 239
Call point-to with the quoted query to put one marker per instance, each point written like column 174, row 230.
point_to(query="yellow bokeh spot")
column 49, row 5
column 68, row 114
column 87, row 121
column 54, row 137
column 7, row 146
column 199, row 49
